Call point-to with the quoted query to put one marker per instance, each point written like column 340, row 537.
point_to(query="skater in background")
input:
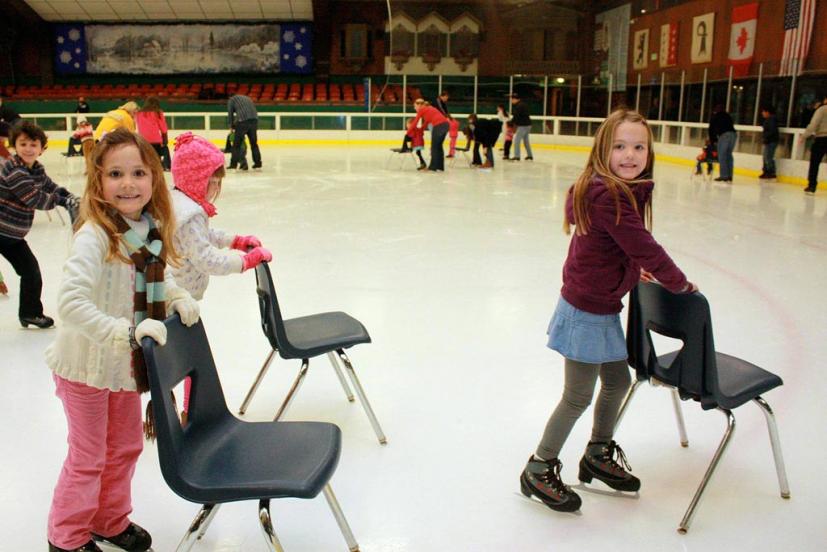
column 818, row 129
column 769, row 137
column 122, row 117
column 83, row 136
column 453, row 133
column 508, row 137
column 24, row 188
column 722, row 134
column 414, row 140
column 431, row 116
column 708, row 155
column 152, row 125
column 486, row 132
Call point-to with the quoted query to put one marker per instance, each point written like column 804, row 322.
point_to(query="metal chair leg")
column 267, row 525
column 690, row 512
column 292, row 393
column 340, row 375
column 362, row 397
column 776, row 446
column 256, row 383
column 198, row 527
column 340, row 518
column 676, row 402
column 626, row 401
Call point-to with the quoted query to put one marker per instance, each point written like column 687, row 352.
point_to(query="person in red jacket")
column 439, row 128
column 610, row 206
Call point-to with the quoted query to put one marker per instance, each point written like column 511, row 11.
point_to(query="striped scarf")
column 149, row 299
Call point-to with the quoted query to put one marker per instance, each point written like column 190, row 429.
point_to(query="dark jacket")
column 519, row 114
column 719, row 123
column 769, row 134
column 486, row 131
column 442, row 106
column 604, row 265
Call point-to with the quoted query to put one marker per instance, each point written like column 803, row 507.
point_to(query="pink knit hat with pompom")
column 193, row 164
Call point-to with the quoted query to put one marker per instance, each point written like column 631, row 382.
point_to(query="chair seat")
column 317, row 334
column 739, row 381
column 226, row 461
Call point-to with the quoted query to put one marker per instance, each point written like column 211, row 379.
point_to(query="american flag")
column 798, row 26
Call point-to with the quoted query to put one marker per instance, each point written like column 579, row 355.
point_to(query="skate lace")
column 622, row 462
column 551, row 477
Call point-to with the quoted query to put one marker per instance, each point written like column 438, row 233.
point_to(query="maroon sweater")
column 604, row 265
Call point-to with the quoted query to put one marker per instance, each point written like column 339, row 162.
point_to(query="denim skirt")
column 586, row 337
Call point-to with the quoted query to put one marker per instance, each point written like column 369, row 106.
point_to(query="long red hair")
column 598, row 167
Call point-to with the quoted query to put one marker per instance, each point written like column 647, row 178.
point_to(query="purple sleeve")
column 639, row 244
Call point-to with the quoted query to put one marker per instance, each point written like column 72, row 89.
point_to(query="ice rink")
column 455, row 276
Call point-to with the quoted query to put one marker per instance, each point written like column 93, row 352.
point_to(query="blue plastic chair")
column 307, row 337
column 696, row 371
column 217, row 458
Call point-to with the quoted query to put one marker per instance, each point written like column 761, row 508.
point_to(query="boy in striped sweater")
column 25, row 187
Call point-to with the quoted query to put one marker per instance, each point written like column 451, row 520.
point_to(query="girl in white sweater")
column 115, row 291
column 197, row 170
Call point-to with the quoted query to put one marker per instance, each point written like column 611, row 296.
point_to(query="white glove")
column 151, row 328
column 187, row 308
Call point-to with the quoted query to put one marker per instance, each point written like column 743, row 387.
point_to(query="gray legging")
column 521, row 135
column 577, row 394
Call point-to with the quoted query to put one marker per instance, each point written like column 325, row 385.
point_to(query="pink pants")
column 94, row 490
column 453, row 145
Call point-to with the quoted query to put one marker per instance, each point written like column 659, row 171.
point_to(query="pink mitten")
column 243, row 243
column 256, row 256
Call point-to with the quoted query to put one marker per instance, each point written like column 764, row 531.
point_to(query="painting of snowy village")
column 156, row 49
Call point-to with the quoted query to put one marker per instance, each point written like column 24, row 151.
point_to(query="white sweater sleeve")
column 220, row 238
column 196, row 246
column 81, row 275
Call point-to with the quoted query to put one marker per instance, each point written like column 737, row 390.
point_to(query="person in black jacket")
column 521, row 118
column 769, row 136
column 722, row 133
column 486, row 132
column 442, row 102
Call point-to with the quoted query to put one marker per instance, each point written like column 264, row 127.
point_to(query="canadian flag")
column 742, row 37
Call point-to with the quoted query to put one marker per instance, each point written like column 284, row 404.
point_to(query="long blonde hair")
column 94, row 208
column 598, row 167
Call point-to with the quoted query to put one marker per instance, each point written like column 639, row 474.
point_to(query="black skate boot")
column 541, row 478
column 88, row 547
column 599, row 462
column 133, row 539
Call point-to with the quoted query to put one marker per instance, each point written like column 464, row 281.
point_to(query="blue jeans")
column 520, row 136
column 769, row 158
column 726, row 145
column 817, row 152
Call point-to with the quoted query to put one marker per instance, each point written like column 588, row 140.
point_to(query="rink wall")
column 677, row 143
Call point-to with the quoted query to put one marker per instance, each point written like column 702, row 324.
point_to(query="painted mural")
column 154, row 49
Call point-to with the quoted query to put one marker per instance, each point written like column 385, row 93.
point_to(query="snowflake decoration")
column 77, row 50
column 77, row 65
column 65, row 57
column 286, row 56
column 60, row 40
column 74, row 35
column 298, row 45
column 289, row 36
column 303, row 30
column 301, row 61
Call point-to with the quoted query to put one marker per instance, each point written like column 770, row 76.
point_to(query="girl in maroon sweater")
column 610, row 207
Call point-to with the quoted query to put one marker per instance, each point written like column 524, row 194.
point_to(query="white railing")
column 665, row 132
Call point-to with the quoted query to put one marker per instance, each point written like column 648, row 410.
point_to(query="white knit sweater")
column 200, row 247
column 95, row 305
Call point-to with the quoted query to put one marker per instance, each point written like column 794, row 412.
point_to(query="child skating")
column 115, row 291
column 610, row 207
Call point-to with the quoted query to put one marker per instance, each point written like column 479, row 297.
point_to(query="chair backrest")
column 186, row 353
column 272, row 323
column 684, row 316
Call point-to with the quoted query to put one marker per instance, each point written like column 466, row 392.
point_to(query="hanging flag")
column 668, row 45
column 742, row 38
column 640, row 57
column 296, row 48
column 703, row 34
column 70, row 49
column 798, row 27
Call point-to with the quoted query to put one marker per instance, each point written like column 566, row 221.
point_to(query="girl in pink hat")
column 197, row 171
